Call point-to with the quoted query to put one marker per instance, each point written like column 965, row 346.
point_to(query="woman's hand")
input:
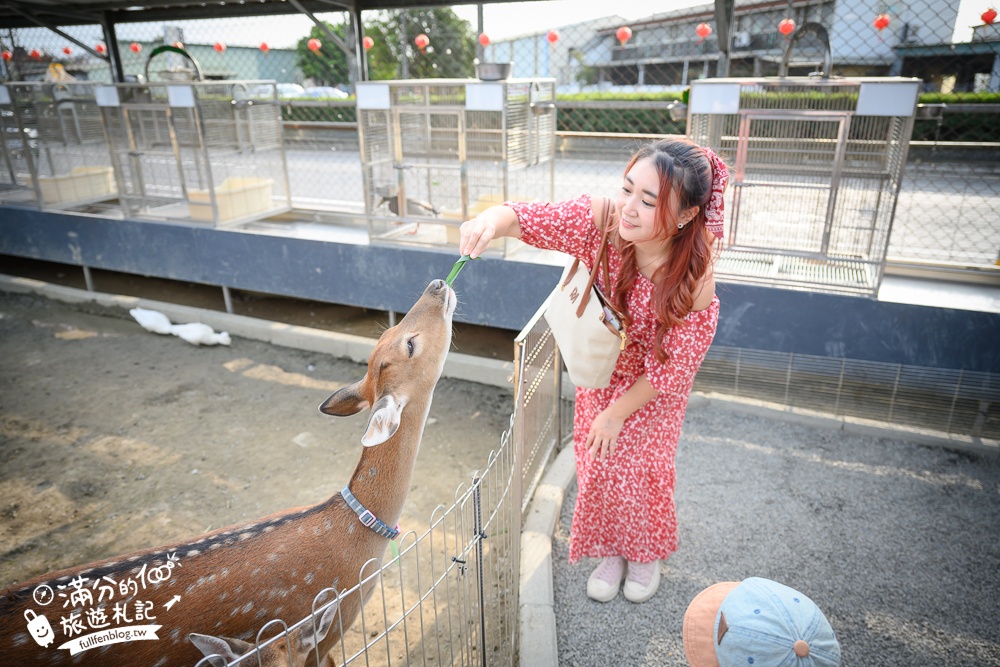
column 603, row 436
column 492, row 223
column 602, row 439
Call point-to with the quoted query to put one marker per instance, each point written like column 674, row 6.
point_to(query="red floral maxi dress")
column 625, row 505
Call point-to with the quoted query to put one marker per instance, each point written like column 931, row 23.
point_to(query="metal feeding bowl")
column 493, row 71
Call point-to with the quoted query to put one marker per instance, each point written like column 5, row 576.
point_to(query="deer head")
column 405, row 365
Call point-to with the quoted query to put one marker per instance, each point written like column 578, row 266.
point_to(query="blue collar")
column 367, row 519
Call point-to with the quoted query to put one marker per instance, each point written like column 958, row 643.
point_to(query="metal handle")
column 823, row 35
column 168, row 48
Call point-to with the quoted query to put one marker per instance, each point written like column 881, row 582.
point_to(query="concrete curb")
column 356, row 348
column 537, row 615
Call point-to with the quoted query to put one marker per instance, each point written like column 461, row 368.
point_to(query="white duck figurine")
column 151, row 320
column 197, row 333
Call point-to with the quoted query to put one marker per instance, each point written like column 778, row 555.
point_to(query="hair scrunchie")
column 714, row 215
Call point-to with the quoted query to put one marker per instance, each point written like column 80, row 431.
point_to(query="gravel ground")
column 896, row 542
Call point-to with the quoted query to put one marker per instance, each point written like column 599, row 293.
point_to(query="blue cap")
column 761, row 622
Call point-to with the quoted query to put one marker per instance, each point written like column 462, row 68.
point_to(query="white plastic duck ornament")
column 197, row 333
column 151, row 320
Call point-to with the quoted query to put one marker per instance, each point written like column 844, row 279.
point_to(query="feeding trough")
column 55, row 151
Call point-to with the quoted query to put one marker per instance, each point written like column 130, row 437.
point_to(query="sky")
column 500, row 20
column 519, row 18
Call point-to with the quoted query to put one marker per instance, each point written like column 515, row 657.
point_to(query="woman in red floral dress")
column 666, row 220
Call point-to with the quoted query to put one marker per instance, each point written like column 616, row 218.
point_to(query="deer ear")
column 384, row 421
column 230, row 649
column 345, row 402
column 309, row 639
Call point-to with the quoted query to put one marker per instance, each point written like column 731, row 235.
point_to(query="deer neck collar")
column 366, row 518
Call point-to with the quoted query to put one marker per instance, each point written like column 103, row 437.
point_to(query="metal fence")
column 449, row 596
column 962, row 404
column 616, row 77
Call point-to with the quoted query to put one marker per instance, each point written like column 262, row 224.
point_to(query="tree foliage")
column 394, row 54
column 329, row 65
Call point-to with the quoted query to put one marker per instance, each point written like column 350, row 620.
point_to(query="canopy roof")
column 45, row 13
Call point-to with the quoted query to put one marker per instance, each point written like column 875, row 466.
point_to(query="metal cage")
column 816, row 166
column 443, row 150
column 55, row 151
column 202, row 151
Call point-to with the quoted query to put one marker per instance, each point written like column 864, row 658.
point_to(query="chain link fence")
column 618, row 82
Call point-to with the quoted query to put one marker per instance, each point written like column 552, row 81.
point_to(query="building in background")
column 564, row 59
column 666, row 50
column 965, row 67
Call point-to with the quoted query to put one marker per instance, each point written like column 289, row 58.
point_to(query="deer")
column 140, row 608
column 284, row 650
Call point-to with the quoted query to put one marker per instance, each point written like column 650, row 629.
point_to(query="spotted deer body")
column 232, row 581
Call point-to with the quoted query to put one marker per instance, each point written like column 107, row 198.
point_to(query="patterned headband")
column 714, row 216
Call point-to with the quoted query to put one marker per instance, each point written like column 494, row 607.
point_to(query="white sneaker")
column 605, row 581
column 642, row 581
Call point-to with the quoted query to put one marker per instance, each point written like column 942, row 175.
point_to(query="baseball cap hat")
column 757, row 622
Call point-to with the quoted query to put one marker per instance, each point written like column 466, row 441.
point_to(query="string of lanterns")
column 786, row 27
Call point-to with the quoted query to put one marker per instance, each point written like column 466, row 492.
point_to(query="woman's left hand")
column 603, row 436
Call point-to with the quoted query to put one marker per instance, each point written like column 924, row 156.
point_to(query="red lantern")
column 484, row 40
column 67, row 50
column 220, row 47
column 703, row 30
column 552, row 36
column 786, row 27
column 422, row 41
column 314, row 44
column 264, row 47
column 367, row 42
column 35, row 53
column 624, row 34
column 7, row 55
column 100, row 48
column 135, row 47
column 989, row 16
column 881, row 21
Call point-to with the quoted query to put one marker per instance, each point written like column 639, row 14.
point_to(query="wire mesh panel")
column 19, row 137
column 56, row 151
column 955, row 402
column 201, row 151
column 446, row 596
column 538, row 427
column 817, row 167
column 436, row 152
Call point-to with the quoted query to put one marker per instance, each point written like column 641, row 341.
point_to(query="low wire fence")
column 957, row 403
column 448, row 596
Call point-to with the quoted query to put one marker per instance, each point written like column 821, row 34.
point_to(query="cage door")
column 787, row 173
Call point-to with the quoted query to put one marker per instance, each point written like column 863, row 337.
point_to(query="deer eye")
column 410, row 347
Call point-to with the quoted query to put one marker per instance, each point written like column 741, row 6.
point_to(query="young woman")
column 665, row 222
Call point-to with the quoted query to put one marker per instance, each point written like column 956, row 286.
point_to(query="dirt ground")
column 114, row 439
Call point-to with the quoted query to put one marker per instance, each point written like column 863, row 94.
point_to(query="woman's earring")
column 680, row 225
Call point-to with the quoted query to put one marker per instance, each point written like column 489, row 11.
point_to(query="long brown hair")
column 683, row 168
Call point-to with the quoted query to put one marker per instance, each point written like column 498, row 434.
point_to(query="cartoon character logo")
column 39, row 628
